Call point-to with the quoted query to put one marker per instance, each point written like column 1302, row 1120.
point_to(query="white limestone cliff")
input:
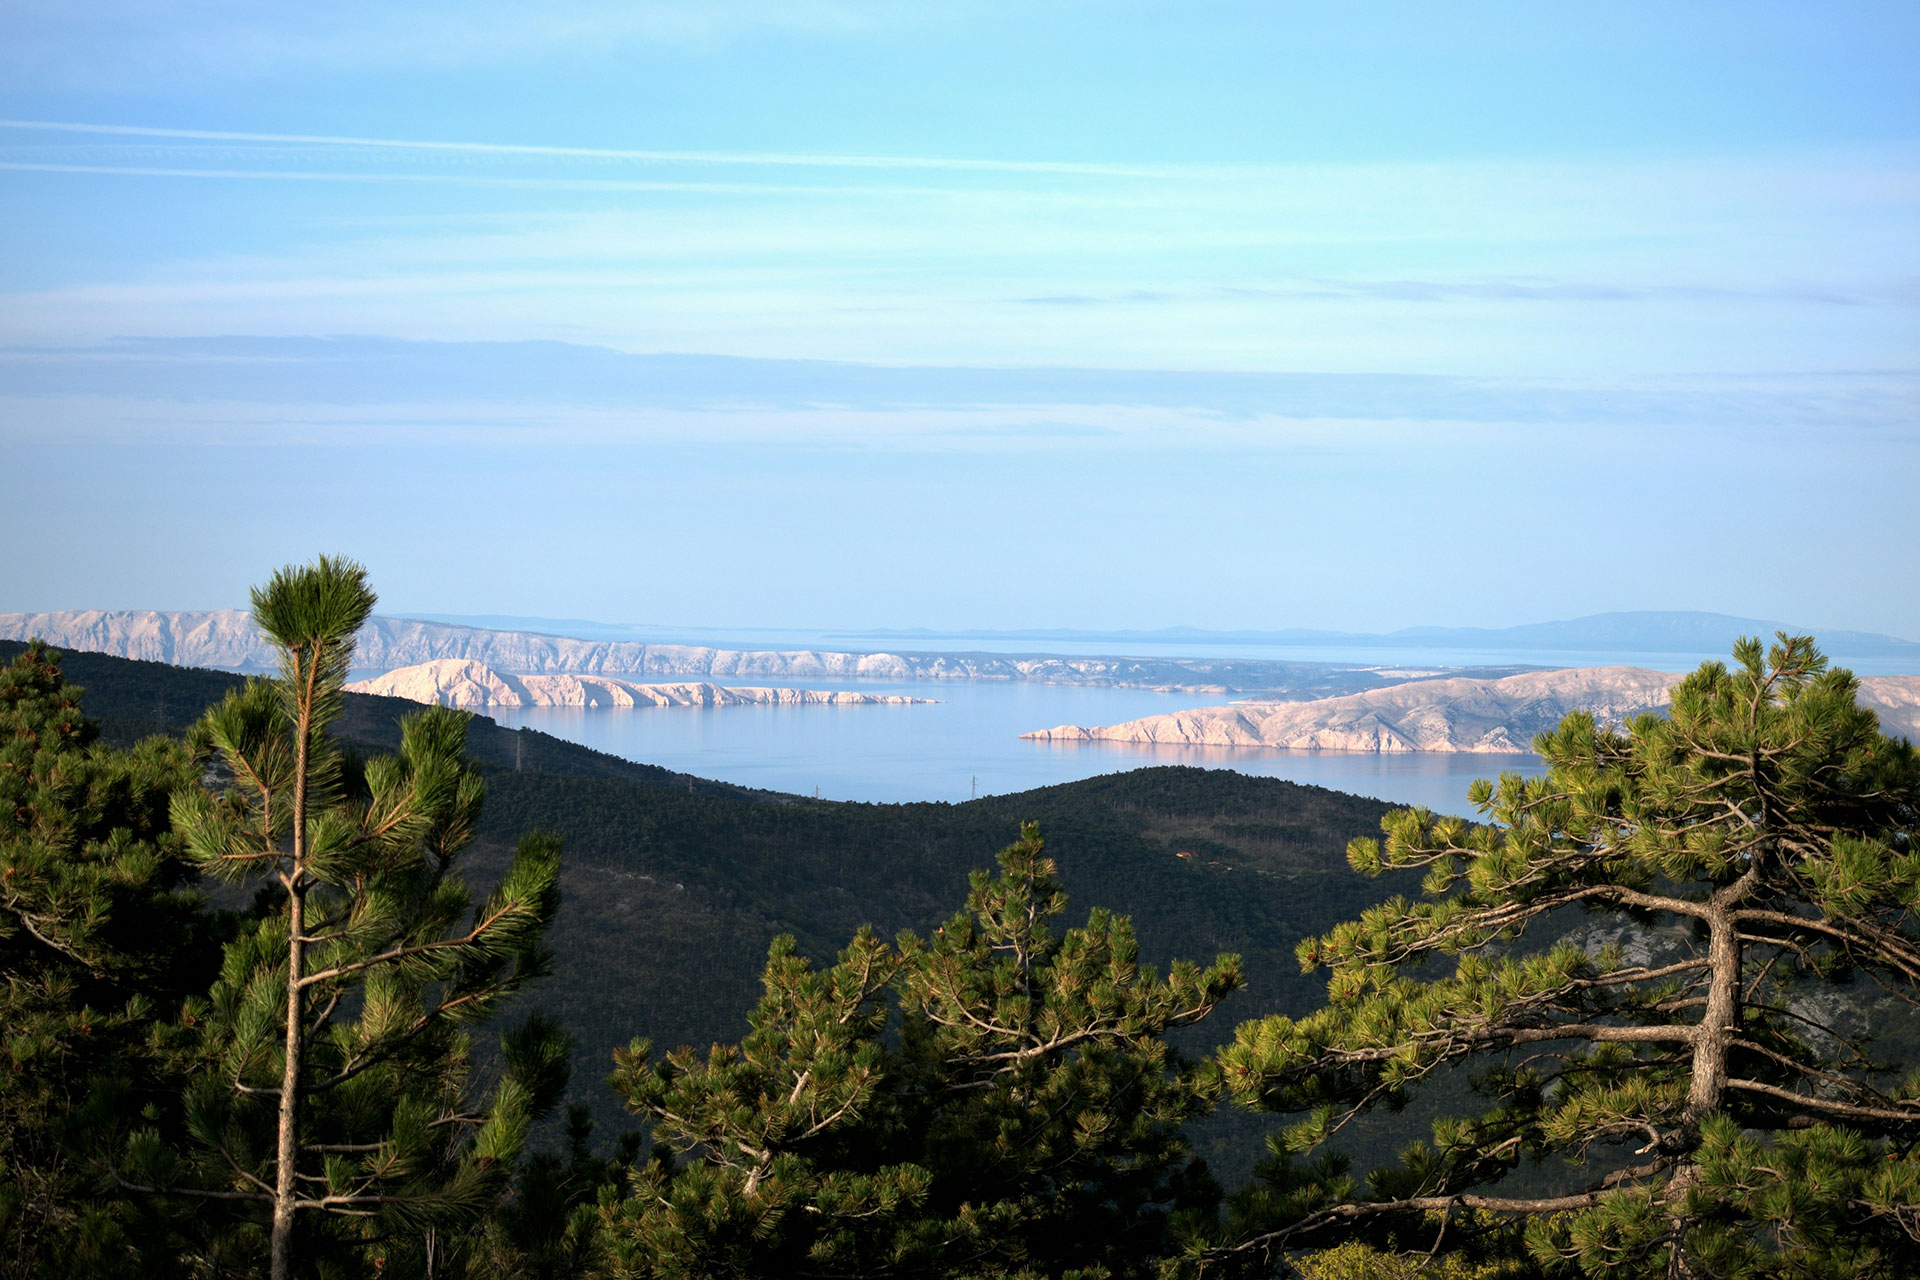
column 456, row 682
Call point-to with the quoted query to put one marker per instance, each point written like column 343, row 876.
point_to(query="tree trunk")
column 1719, row 1021
column 285, row 1188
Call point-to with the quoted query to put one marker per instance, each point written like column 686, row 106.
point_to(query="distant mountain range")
column 1645, row 631
column 226, row 639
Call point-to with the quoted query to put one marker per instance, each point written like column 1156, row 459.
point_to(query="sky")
column 966, row 315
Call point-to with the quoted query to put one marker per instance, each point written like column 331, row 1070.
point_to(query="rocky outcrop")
column 454, row 682
column 1896, row 700
column 1459, row 715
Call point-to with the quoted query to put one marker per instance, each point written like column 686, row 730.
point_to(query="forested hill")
column 672, row 898
column 674, row 886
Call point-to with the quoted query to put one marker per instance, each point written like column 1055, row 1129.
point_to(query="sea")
column 965, row 742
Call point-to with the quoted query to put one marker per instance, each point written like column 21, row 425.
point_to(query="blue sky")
column 966, row 315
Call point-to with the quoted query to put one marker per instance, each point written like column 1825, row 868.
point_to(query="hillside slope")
column 674, row 886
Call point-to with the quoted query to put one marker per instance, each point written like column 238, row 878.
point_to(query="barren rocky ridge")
column 1456, row 715
column 226, row 638
column 456, row 682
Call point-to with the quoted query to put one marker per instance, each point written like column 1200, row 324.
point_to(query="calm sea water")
column 969, row 744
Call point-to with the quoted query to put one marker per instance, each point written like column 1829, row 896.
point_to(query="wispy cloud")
column 527, row 182
column 529, row 151
column 1896, row 292
column 1507, row 267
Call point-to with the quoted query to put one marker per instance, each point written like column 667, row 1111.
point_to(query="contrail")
column 455, row 179
column 610, row 153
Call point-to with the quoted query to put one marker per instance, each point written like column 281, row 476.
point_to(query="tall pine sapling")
column 1055, row 1104
column 998, row 1099
column 1707, row 1082
column 335, row 1087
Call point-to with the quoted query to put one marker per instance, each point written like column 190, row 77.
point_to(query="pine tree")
column 1706, row 1084
column 334, row 1105
column 100, row 938
column 998, row 1099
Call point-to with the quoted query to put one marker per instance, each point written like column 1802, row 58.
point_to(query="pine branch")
column 1904, row 1114
column 1269, row 1242
column 511, row 907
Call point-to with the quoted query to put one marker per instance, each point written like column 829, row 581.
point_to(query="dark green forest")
column 561, row 1014
column 674, row 887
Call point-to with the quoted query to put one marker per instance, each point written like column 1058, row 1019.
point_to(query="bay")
column 968, row 743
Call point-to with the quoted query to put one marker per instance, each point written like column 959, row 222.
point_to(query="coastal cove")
column 971, row 738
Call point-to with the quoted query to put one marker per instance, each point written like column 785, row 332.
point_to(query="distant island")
column 1458, row 715
column 455, row 682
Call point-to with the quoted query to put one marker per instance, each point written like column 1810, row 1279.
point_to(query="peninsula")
column 455, row 682
column 1457, row 715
